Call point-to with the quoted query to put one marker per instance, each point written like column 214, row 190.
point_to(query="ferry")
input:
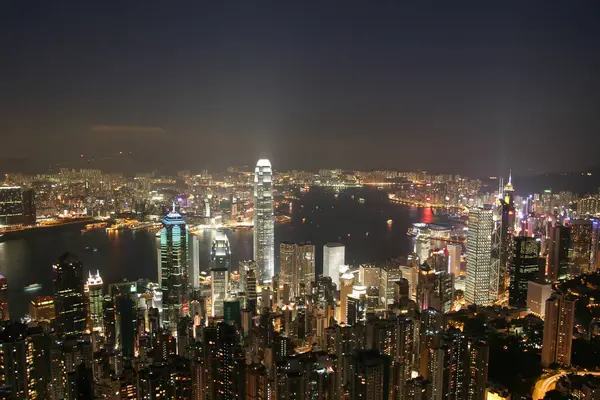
column 361, row 201
column 33, row 287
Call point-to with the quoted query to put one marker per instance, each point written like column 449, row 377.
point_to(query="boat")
column 390, row 222
column 97, row 225
column 361, row 201
column 33, row 287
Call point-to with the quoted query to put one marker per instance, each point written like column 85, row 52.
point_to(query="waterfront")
column 318, row 217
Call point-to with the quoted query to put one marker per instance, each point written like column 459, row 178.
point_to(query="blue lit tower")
column 172, row 272
column 264, row 222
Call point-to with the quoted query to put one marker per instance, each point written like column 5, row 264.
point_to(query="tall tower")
column 94, row 291
column 220, row 256
column 558, row 253
column 558, row 330
column 525, row 265
column 69, row 300
column 287, row 263
column 333, row 257
column 264, row 221
column 172, row 274
column 482, row 280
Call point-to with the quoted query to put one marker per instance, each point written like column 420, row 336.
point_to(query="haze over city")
column 445, row 87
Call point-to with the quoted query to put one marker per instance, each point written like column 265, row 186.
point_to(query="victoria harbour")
column 317, row 217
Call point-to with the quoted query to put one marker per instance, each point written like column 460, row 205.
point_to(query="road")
column 545, row 385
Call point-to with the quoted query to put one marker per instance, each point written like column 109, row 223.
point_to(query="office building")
column 389, row 276
column 559, row 244
column 41, row 308
column 346, row 288
column 537, row 294
column 435, row 290
column 173, row 263
column 126, row 324
column 220, row 255
column 525, row 265
column 368, row 275
column 69, row 300
column 94, row 293
column 219, row 285
column 11, row 205
column 287, row 264
column 264, row 221
column 482, row 282
column 297, row 267
column 194, row 262
column 558, row 330
column 454, row 253
column 334, row 255
column 304, row 276
column 232, row 312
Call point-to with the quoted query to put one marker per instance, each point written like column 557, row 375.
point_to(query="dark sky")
column 459, row 86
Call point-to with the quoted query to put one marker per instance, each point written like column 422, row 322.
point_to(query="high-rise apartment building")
column 525, row 265
column 558, row 330
column 334, row 255
column 69, row 300
column 264, row 221
column 537, row 294
column 371, row 372
column 172, row 272
column 481, row 280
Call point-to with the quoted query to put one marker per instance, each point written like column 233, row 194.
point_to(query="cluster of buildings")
column 246, row 332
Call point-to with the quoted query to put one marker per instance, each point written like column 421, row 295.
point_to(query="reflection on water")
column 132, row 255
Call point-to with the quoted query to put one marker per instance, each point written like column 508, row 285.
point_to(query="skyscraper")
column 454, row 251
column 4, row 312
column 297, row 266
column 481, row 280
column 558, row 253
column 264, row 221
column 220, row 256
column 371, row 372
column 11, row 205
column 29, row 213
column 194, row 262
column 287, row 263
column 580, row 257
column 333, row 257
column 558, row 330
column 69, row 301
column 525, row 265
column 94, row 292
column 172, row 274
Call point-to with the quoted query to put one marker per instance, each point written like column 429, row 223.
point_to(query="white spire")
column 510, row 176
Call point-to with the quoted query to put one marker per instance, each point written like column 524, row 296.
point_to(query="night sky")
column 468, row 87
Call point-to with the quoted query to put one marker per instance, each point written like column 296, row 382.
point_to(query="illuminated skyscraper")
column 69, row 301
column 194, row 262
column 94, row 291
column 41, row 308
column 287, row 264
column 558, row 330
column 297, row 266
column 333, row 258
column 454, row 251
column 482, row 282
column 220, row 256
column 172, row 274
column 264, row 221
